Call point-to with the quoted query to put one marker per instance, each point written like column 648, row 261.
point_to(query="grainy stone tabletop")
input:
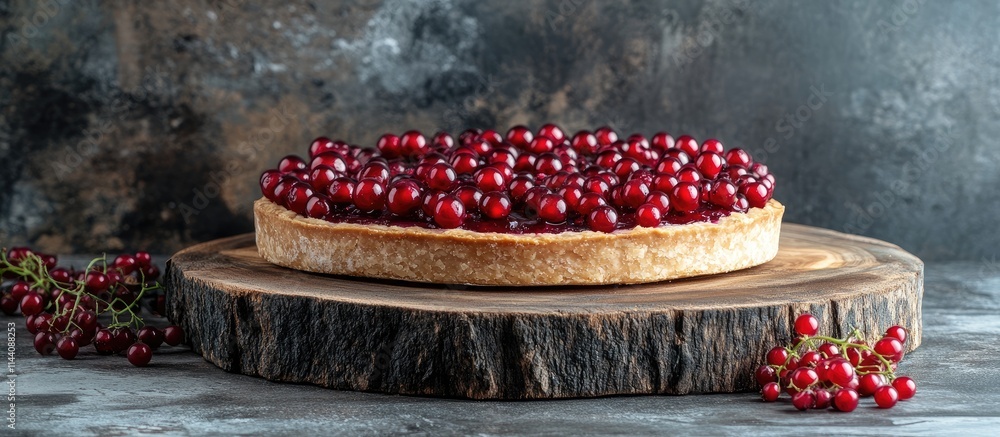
column 956, row 369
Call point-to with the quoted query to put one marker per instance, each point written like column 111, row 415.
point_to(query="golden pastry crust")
column 459, row 256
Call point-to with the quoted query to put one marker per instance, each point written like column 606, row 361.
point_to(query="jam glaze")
column 518, row 222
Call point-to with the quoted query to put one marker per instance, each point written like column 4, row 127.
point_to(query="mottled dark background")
column 879, row 118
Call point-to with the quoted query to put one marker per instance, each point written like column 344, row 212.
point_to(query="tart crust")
column 458, row 256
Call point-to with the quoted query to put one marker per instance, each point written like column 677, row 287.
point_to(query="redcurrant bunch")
column 820, row 372
column 66, row 309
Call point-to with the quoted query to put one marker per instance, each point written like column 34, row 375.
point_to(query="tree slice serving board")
column 697, row 335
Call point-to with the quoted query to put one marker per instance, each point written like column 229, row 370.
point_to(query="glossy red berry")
column 413, row 143
column 709, row 164
column 552, row 131
column 840, row 371
column 804, row 400
column 32, row 303
column 298, row 197
column 520, row 136
column 333, row 160
column 495, row 205
column 441, row 176
column 552, row 208
column 688, row 145
column 541, row 145
column 806, row 325
column 104, row 341
column 320, row 145
column 151, row 336
column 770, row 392
column 662, row 141
column 291, row 163
column 738, row 156
column 905, row 387
column 369, row 195
column 341, row 191
column 804, row 377
column 605, row 136
column 890, row 348
column 173, row 335
column 67, row 347
column 603, row 219
column 318, row 207
column 712, row 145
column 489, row 179
column 886, row 396
column 449, row 212
column 584, row 142
column 390, row 146
column 897, row 332
column 404, row 197
column 823, row 399
column 648, row 215
column 43, row 343
column 723, row 194
column 139, row 354
column 756, row 193
column 685, row 196
column 846, row 400
column 777, row 356
column 867, row 384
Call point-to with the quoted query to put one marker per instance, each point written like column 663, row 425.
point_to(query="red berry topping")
column 520, row 136
column 413, row 143
column 584, row 142
column 369, row 195
column 605, row 136
column 648, row 215
column 712, row 145
column 495, row 205
column 318, row 207
column 552, row 208
column 638, row 178
column 341, row 190
column 291, row 163
column 390, row 146
column 603, row 219
column 685, row 196
column 404, row 197
column 449, row 212
column 688, row 145
column 441, row 176
column 756, row 194
column 709, row 164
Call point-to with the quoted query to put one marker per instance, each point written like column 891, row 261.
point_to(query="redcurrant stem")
column 33, row 268
column 845, row 343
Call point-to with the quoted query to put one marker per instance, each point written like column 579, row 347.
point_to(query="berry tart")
column 519, row 208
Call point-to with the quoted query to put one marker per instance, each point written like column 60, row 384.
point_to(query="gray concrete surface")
column 877, row 117
column 956, row 369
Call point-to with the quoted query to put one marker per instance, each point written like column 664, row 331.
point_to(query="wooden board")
column 696, row 335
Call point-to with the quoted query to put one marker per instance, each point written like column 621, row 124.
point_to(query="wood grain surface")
column 696, row 335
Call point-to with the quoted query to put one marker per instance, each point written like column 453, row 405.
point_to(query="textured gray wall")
column 878, row 118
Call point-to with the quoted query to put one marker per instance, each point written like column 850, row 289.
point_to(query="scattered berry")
column 819, row 372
